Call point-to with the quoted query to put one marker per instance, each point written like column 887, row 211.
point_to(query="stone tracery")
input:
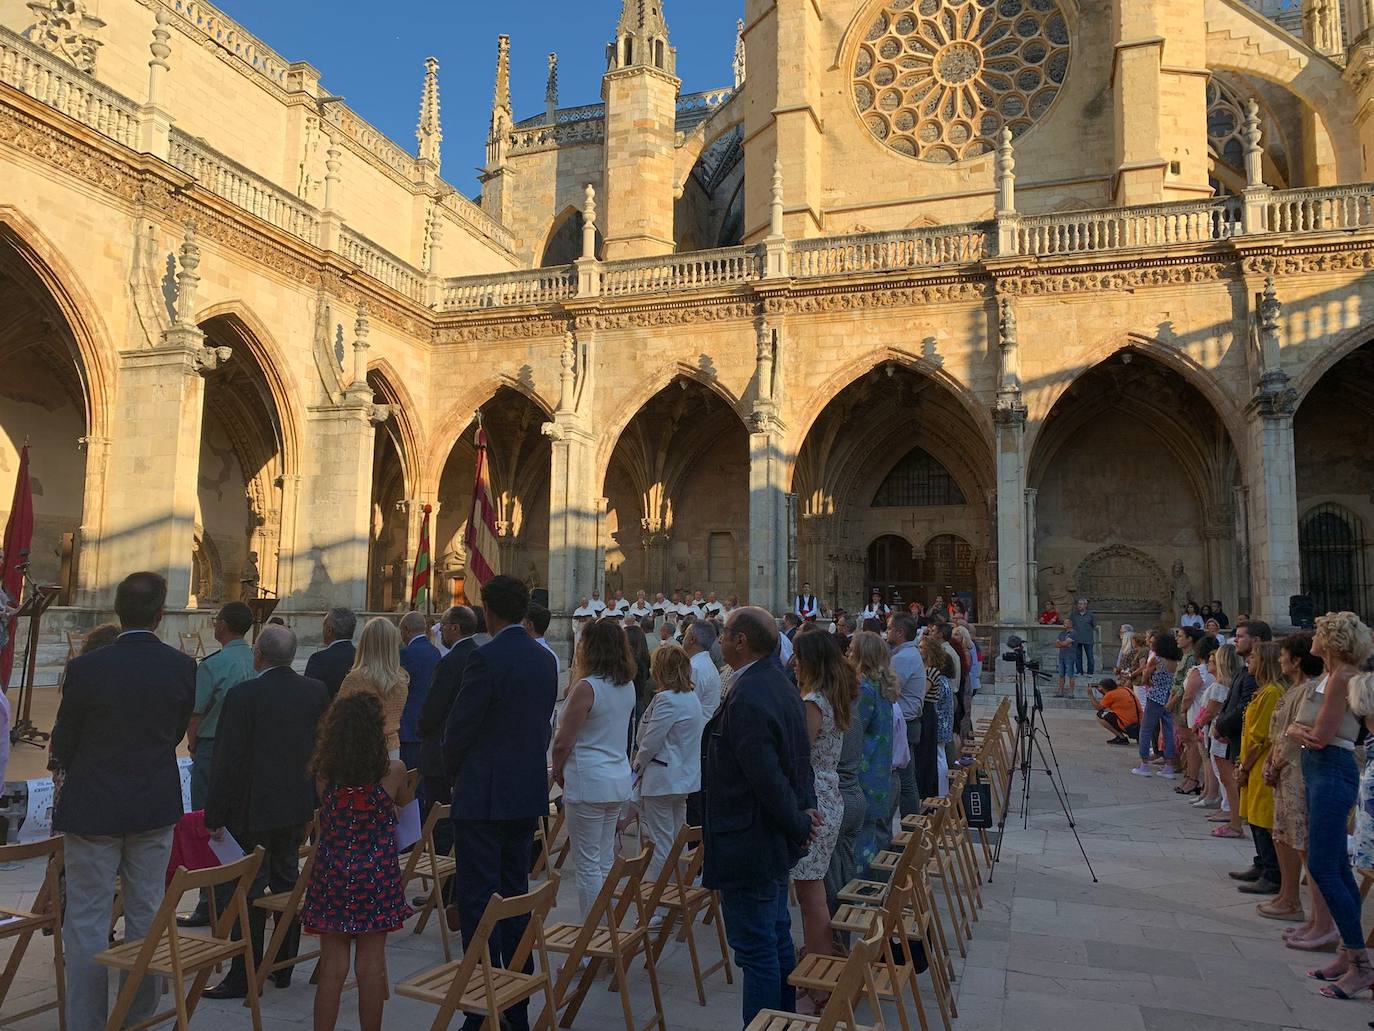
column 939, row 79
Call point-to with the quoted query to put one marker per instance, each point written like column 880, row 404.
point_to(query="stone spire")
column 429, row 131
column 501, row 116
column 641, row 38
column 551, row 91
column 739, row 53
column 1254, row 153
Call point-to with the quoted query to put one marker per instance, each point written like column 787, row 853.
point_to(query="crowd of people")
column 793, row 746
column 1268, row 734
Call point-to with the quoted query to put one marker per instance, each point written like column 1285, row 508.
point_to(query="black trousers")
column 1266, row 856
column 1114, row 722
column 927, row 753
column 493, row 857
column 439, row 791
column 278, row 872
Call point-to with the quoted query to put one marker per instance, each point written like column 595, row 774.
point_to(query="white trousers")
column 140, row 861
column 660, row 818
column 591, row 831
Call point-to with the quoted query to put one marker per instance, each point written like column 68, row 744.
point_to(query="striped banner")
column 419, row 584
column 480, row 538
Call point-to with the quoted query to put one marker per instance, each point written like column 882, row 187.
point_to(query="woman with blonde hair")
column 879, row 690
column 667, row 762
column 1227, row 666
column 1326, row 728
column 377, row 670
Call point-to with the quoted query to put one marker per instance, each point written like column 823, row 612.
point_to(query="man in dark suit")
column 456, row 630
column 260, row 784
column 418, row 659
column 331, row 663
column 496, row 752
column 760, row 807
column 124, row 710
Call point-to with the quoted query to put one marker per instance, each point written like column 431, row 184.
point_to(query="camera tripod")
column 1030, row 729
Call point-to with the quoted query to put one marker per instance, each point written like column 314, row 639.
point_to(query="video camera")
column 1017, row 653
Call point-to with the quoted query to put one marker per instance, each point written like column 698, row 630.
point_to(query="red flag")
column 480, row 538
column 419, row 584
column 18, row 540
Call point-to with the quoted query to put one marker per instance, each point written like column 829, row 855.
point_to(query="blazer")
column 418, row 658
column 496, row 745
column 448, row 677
column 124, row 710
column 259, row 779
column 757, row 782
column 668, row 759
column 331, row 664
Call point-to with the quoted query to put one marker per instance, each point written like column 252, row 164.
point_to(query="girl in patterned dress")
column 355, row 893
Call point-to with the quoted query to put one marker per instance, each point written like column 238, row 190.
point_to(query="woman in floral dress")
column 878, row 690
column 828, row 687
column 355, row 897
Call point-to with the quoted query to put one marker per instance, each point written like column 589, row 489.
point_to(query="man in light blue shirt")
column 911, row 676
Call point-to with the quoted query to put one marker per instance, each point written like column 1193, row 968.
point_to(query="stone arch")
column 1044, row 397
column 856, row 370
column 663, row 378
column 563, row 243
column 404, row 417
column 207, row 570
column 1329, row 356
column 1242, row 40
column 459, row 416
column 1136, row 577
column 64, row 286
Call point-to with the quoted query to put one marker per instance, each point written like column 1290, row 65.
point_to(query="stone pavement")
column 1163, row 941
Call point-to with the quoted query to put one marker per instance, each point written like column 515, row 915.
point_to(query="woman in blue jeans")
column 1326, row 727
column 1158, row 676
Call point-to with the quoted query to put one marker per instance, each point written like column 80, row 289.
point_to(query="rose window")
column 939, row 79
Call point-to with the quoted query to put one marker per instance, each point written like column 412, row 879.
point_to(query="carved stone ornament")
column 208, row 359
column 1274, row 400
column 553, row 430
column 67, row 29
column 379, row 413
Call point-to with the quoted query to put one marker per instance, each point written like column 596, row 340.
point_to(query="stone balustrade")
column 244, row 188
column 381, row 264
column 509, row 289
column 693, row 270
column 891, row 252
column 233, row 37
column 54, row 82
column 1110, row 229
column 1321, row 210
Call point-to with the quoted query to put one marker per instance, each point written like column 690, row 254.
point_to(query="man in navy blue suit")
column 418, row 658
column 496, row 753
column 759, row 807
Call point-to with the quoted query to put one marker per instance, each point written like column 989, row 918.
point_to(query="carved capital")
column 379, row 413
column 554, row 431
column 1009, row 411
column 208, row 359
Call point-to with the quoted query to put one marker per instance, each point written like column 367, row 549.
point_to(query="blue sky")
column 375, row 58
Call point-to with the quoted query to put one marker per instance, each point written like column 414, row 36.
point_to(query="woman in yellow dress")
column 1257, row 797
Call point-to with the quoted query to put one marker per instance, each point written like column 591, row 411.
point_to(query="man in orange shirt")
column 1117, row 707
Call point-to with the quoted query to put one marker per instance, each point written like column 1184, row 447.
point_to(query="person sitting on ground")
column 1067, row 650
column 1049, row 615
column 1117, row 707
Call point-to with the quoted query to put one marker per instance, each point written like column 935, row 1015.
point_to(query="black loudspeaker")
column 540, row 596
column 1302, row 610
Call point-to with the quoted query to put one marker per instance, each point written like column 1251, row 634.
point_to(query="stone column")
column 1032, row 562
column 1009, row 414
column 91, row 532
column 768, row 530
column 1271, row 475
column 573, row 522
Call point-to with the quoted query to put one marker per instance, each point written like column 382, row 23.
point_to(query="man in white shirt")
column 598, row 606
column 536, row 624
column 731, row 603
column 620, row 603
column 642, row 611
column 664, row 636
column 805, row 605
column 713, row 608
column 705, row 677
column 875, row 608
column 583, row 614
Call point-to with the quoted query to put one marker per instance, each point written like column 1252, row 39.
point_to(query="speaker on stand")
column 1302, row 611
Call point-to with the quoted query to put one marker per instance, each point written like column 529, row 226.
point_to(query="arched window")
column 918, row 481
column 1332, row 546
column 945, row 568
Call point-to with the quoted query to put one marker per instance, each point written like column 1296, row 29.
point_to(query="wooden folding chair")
column 76, row 640
column 167, row 951
column 891, row 979
column 474, row 985
column 192, row 645
column 424, row 862
column 554, row 843
column 676, row 893
column 855, row 980
column 45, row 915
column 959, row 836
column 604, row 936
column 284, row 906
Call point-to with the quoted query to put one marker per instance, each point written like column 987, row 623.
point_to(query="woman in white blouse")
column 589, row 760
column 667, row 764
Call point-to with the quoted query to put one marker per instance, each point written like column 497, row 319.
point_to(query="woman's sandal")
column 1325, row 944
column 1184, row 789
column 1334, row 971
column 1360, row 968
column 1227, row 831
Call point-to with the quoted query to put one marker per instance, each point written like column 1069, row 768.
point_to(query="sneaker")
column 1167, row 772
column 1143, row 770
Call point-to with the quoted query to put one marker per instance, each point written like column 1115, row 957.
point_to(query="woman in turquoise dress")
column 878, row 690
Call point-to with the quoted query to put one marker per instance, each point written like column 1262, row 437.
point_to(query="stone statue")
column 250, row 577
column 1052, row 584
column 1181, row 589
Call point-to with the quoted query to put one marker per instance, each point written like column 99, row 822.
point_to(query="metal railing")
column 509, row 289
column 52, row 81
column 890, row 252
column 244, row 188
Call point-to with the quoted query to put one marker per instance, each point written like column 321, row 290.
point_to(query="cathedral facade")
column 1006, row 299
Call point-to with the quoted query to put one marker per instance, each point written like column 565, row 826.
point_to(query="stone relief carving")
column 1121, row 578
column 67, row 29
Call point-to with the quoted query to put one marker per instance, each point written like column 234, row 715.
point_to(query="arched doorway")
column 45, row 402
column 677, row 493
column 895, row 459
column 1335, row 477
column 388, row 589
column 1134, row 458
column 518, row 461
column 242, row 466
